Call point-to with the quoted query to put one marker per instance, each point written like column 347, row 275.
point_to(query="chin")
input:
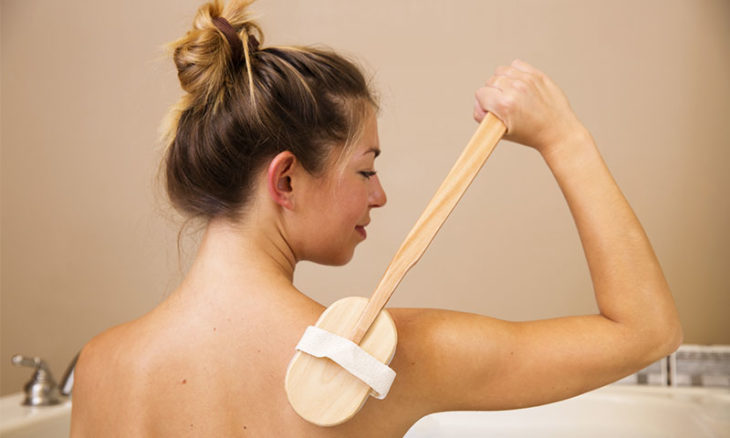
column 339, row 259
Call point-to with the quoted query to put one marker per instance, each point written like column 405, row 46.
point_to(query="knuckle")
column 510, row 100
column 520, row 85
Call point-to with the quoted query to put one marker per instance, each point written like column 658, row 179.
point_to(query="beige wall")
column 87, row 241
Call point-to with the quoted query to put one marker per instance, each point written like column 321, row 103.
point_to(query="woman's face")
column 338, row 203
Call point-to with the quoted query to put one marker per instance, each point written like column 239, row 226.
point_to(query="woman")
column 275, row 148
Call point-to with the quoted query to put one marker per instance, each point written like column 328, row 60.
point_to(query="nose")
column 377, row 194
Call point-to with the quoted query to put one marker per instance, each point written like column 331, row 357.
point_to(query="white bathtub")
column 18, row 421
column 612, row 411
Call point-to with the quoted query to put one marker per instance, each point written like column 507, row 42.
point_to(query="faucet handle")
column 41, row 390
column 33, row 362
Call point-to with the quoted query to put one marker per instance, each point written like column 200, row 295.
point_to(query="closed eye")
column 368, row 173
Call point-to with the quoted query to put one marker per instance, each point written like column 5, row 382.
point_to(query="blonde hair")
column 236, row 114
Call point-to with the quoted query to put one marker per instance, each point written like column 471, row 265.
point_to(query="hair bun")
column 203, row 56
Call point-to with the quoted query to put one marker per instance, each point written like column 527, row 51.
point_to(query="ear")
column 278, row 179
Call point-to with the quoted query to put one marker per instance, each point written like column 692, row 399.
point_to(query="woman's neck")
column 236, row 262
column 247, row 248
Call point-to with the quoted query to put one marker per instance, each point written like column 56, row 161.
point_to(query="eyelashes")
column 368, row 173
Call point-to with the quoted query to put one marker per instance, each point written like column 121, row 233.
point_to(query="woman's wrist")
column 573, row 144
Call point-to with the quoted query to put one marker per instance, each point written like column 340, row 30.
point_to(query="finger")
column 499, row 81
column 486, row 95
column 509, row 79
column 480, row 102
column 492, row 81
column 525, row 67
column 487, row 99
column 515, row 74
column 500, row 71
column 479, row 112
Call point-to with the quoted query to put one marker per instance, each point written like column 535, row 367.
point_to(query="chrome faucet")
column 67, row 381
column 42, row 389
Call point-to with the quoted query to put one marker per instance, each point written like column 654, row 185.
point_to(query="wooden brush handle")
column 481, row 145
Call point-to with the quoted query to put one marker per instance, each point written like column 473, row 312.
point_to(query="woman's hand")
column 534, row 109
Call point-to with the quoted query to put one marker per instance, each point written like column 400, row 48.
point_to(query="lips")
column 361, row 229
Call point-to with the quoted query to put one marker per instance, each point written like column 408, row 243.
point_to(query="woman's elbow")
column 665, row 324
column 666, row 336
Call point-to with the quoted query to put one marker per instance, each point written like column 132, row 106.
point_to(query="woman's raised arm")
column 475, row 362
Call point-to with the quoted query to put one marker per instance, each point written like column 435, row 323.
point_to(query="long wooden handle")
column 481, row 145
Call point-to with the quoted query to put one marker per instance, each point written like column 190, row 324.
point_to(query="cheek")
column 355, row 206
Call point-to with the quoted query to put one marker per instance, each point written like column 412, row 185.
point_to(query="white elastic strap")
column 347, row 354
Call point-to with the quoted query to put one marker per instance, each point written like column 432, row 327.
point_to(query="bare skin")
column 211, row 359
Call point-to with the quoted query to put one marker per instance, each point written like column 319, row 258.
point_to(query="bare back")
column 170, row 375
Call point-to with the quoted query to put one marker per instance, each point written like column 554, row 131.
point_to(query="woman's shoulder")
column 126, row 350
column 109, row 358
column 101, row 349
column 116, row 376
column 112, row 342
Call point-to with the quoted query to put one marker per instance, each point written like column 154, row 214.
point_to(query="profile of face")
column 334, row 207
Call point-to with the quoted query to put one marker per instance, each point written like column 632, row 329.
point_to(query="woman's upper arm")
column 449, row 360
